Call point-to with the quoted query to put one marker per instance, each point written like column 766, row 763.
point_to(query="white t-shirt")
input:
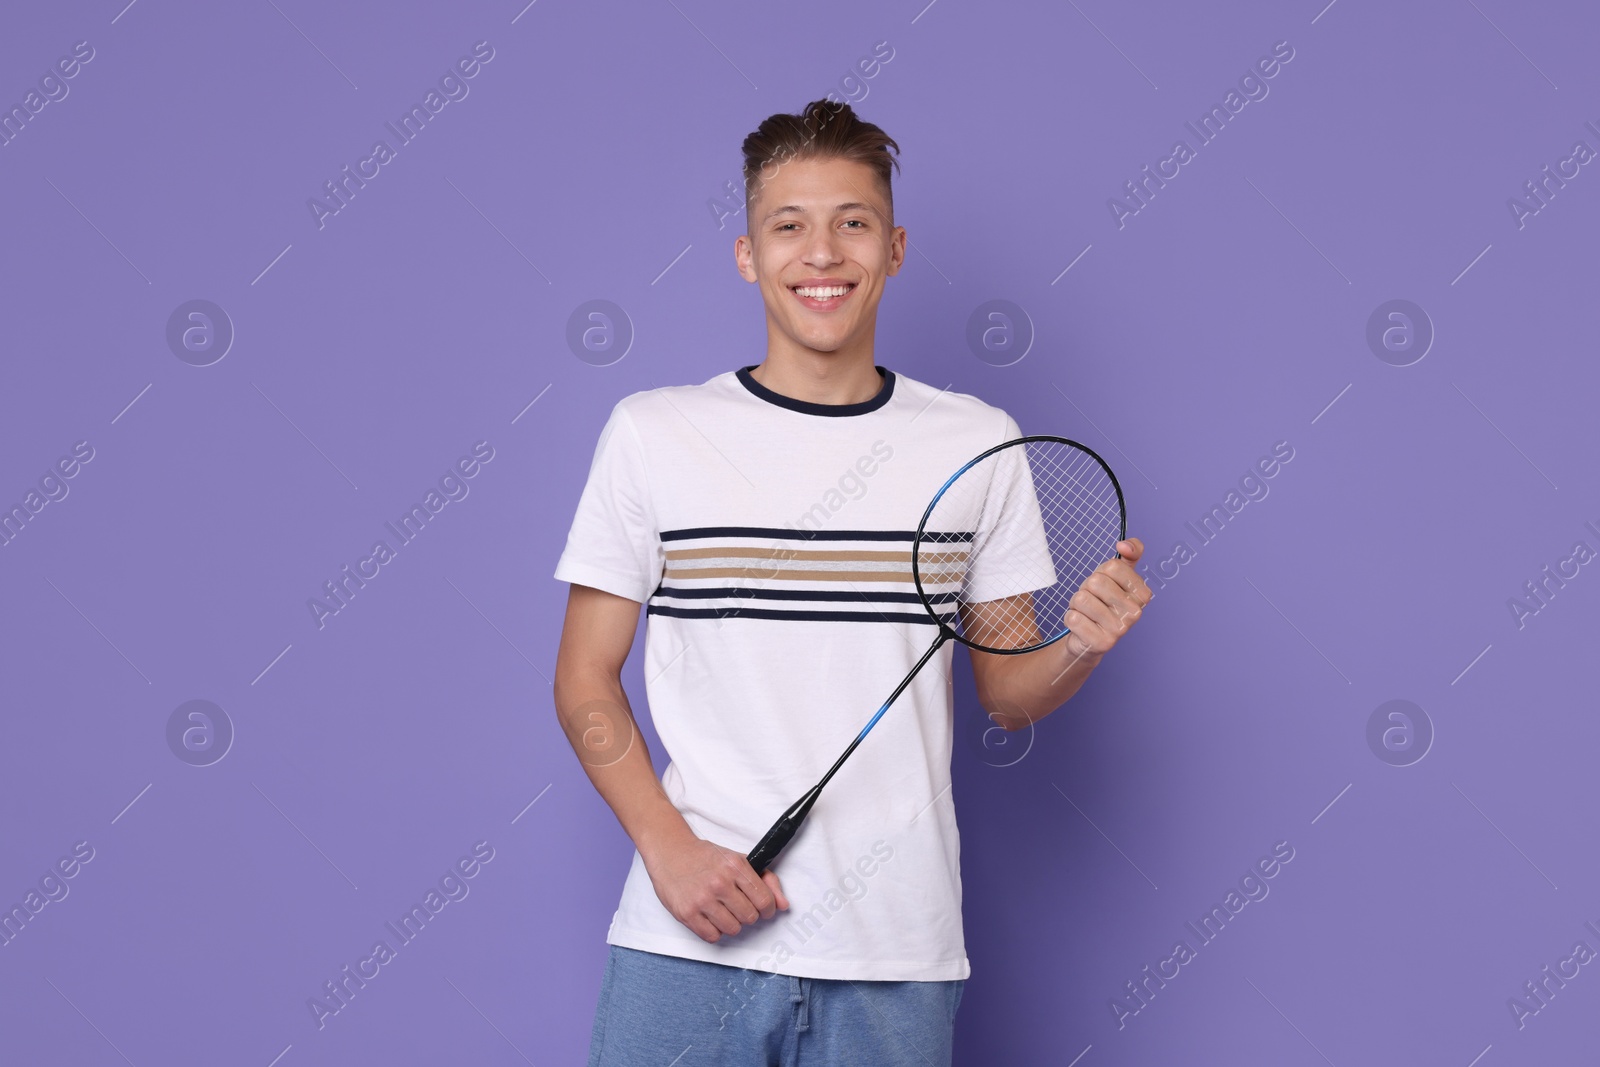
column 770, row 539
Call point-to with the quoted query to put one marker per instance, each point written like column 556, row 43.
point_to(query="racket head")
column 1011, row 536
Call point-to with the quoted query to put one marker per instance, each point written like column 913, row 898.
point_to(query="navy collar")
column 806, row 407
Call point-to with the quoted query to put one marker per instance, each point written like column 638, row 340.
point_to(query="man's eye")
column 855, row 222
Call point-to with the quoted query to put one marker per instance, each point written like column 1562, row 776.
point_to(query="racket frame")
column 916, row 543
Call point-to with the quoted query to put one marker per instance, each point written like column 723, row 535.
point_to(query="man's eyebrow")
column 796, row 209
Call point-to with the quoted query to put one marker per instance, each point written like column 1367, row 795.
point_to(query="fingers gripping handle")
column 788, row 824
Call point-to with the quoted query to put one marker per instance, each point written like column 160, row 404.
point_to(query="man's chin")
column 823, row 346
column 827, row 338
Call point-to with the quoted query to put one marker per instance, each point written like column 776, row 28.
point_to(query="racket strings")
column 1041, row 515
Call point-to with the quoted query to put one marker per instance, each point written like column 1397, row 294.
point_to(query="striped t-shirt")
column 770, row 539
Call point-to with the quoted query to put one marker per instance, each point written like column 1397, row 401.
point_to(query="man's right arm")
column 710, row 889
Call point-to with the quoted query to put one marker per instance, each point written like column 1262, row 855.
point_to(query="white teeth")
column 823, row 292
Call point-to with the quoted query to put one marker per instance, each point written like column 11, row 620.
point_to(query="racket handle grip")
column 768, row 847
column 782, row 831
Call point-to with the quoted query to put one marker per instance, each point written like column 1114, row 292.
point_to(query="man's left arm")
column 1022, row 689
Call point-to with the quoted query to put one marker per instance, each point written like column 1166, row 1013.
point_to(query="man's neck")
column 820, row 377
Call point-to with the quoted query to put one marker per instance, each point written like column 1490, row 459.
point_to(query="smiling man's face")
column 820, row 245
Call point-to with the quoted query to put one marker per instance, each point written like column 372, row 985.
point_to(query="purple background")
column 430, row 313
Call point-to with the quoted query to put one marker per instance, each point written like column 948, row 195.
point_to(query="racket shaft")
column 788, row 823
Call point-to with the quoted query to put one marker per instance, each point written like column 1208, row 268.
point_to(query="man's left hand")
column 1108, row 603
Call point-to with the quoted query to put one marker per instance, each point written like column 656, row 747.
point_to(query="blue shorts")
column 657, row 1011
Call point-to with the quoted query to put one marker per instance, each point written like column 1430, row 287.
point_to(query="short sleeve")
column 1010, row 552
column 613, row 544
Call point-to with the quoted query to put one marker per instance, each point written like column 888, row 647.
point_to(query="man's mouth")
column 823, row 297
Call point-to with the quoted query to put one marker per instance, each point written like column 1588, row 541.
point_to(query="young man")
column 764, row 517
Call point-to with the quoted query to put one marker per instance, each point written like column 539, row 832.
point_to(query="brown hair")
column 823, row 129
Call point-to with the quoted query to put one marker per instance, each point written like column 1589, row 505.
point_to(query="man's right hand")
column 710, row 889
column 713, row 890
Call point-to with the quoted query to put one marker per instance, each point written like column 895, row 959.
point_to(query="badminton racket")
column 1000, row 550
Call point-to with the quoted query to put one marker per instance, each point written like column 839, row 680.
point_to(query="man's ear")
column 897, row 249
column 743, row 257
